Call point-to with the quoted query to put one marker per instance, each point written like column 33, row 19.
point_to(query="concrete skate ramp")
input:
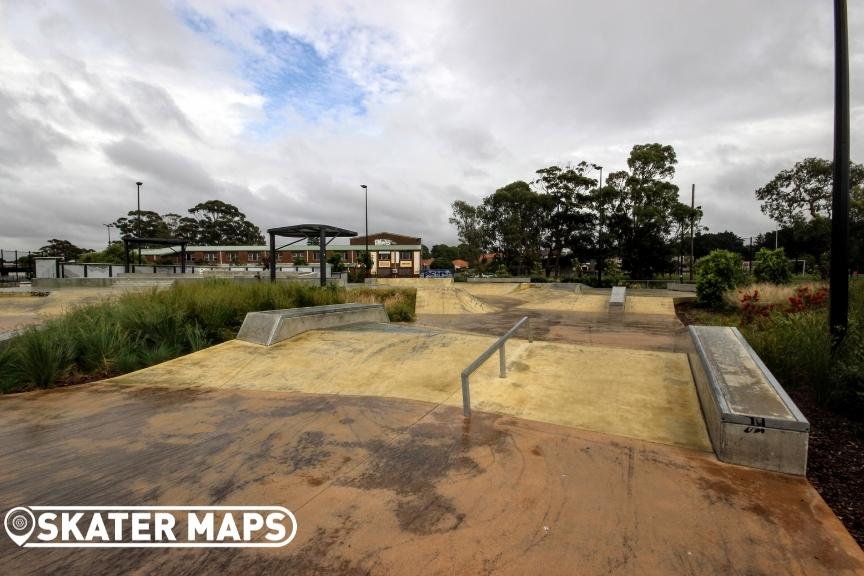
column 650, row 305
column 640, row 394
column 494, row 289
column 394, row 486
column 565, row 302
column 272, row 326
column 449, row 300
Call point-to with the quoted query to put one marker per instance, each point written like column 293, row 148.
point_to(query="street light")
column 838, row 302
column 600, row 229
column 367, row 259
column 138, row 227
column 109, row 226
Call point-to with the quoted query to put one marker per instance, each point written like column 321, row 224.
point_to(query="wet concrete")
column 384, row 486
column 638, row 393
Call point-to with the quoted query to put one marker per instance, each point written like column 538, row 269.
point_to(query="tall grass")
column 768, row 293
column 142, row 329
column 797, row 348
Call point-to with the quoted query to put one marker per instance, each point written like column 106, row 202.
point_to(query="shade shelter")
column 302, row 232
column 132, row 242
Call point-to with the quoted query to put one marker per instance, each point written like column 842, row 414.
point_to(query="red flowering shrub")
column 805, row 299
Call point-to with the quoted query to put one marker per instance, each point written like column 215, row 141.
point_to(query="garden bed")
column 137, row 330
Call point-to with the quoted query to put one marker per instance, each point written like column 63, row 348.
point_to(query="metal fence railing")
column 502, row 360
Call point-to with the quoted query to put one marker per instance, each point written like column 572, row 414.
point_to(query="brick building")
column 393, row 255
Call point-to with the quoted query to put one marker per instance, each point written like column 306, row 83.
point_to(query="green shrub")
column 716, row 273
column 539, row 279
column 772, row 266
column 42, row 357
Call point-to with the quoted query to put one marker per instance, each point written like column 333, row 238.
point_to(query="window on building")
column 313, row 256
column 406, row 255
column 189, row 257
column 384, row 256
column 253, row 256
column 211, row 256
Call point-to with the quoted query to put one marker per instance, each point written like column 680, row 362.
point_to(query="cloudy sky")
column 285, row 108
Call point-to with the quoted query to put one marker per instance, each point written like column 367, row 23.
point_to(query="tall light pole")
column 600, row 231
column 138, row 222
column 367, row 260
column 109, row 226
column 692, row 220
column 838, row 312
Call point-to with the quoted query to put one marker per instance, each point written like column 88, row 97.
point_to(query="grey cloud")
column 166, row 167
column 26, row 141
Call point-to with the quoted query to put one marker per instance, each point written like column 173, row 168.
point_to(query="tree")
column 715, row 274
column 568, row 221
column 513, row 219
column 62, row 249
column 469, row 224
column 803, row 191
column 113, row 254
column 705, row 242
column 335, row 260
column 424, row 252
column 220, row 223
column 772, row 266
column 152, row 225
column 647, row 198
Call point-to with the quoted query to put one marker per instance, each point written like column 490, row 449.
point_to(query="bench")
column 751, row 420
column 616, row 302
column 273, row 326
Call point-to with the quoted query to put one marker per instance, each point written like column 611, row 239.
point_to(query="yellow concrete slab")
column 653, row 305
column 634, row 393
column 640, row 394
column 449, row 300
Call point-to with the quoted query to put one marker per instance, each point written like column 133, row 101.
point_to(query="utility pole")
column 108, row 226
column 138, row 227
column 367, row 261
column 776, row 243
column 692, row 222
column 839, row 280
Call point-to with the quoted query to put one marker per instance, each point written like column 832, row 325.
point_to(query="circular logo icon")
column 19, row 523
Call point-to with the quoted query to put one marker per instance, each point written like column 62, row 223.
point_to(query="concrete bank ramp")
column 449, row 300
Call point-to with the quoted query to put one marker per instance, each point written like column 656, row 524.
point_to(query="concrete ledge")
column 751, row 420
column 617, row 299
column 681, row 287
column 273, row 326
column 72, row 282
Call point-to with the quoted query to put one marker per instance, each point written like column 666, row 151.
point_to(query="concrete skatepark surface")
column 387, row 486
column 591, row 457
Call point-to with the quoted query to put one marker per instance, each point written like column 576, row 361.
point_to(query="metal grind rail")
column 499, row 346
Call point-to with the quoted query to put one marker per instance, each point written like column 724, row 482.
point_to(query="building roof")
column 311, row 231
column 290, row 248
column 459, row 263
